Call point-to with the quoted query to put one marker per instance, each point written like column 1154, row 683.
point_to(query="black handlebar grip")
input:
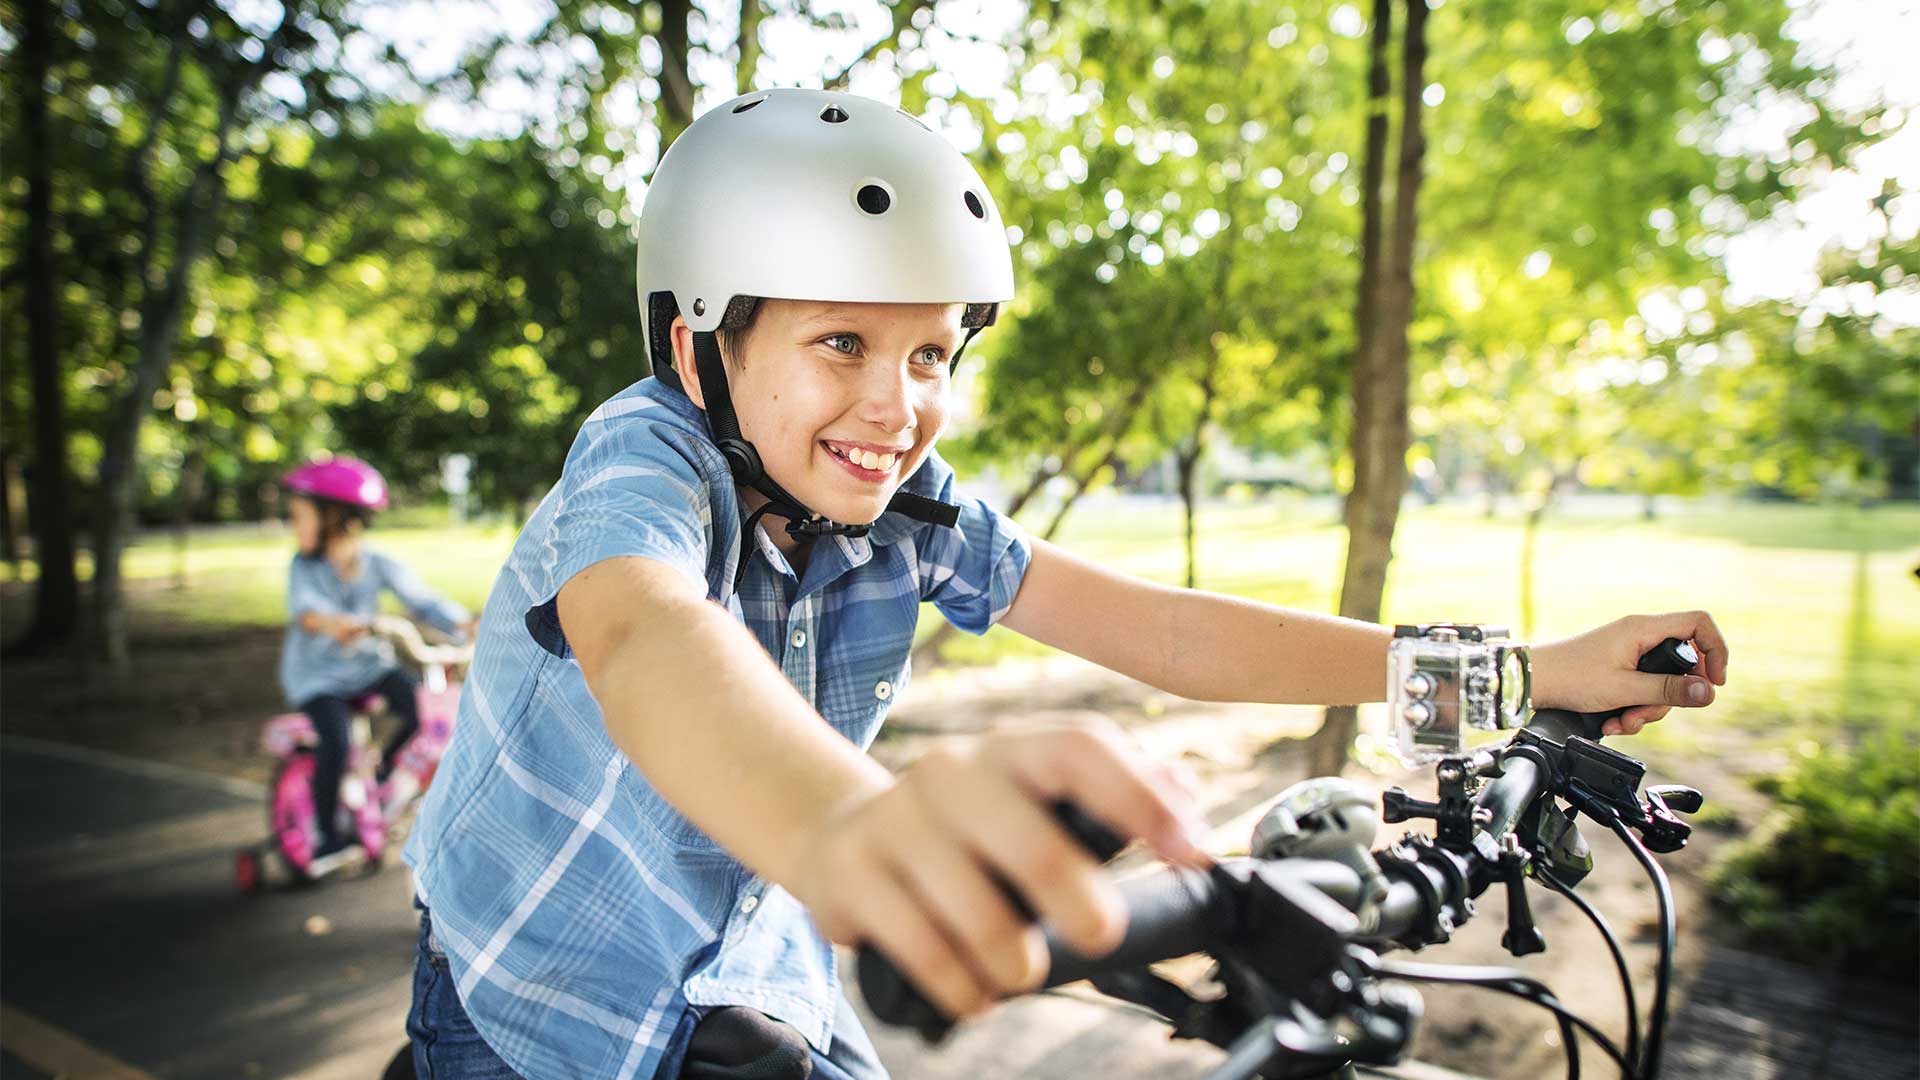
column 894, row 999
column 1170, row 912
column 1671, row 657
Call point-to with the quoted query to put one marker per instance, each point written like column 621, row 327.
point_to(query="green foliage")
column 170, row 125
column 1177, row 171
column 1834, row 878
column 522, row 316
column 1182, row 183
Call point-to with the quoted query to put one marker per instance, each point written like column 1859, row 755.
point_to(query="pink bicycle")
column 369, row 811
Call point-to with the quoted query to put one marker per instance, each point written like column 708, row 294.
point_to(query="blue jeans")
column 445, row 1044
column 447, row 1047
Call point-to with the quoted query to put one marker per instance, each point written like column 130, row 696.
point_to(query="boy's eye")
column 932, row 355
column 847, row 344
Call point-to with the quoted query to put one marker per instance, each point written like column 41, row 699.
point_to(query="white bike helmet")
column 810, row 195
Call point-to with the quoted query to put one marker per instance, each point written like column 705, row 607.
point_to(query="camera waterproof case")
column 1446, row 678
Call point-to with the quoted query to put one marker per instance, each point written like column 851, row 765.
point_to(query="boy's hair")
column 732, row 334
column 734, row 329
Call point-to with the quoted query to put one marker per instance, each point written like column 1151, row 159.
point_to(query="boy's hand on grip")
column 1597, row 671
column 922, row 870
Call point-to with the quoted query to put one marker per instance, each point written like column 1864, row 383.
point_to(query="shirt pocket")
column 865, row 690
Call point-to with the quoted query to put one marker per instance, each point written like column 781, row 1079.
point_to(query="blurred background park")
column 1534, row 313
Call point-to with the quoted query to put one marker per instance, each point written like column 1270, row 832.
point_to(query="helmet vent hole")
column 873, row 199
column 975, row 207
column 745, row 105
column 834, row 114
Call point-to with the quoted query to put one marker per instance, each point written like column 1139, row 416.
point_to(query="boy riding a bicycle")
column 657, row 812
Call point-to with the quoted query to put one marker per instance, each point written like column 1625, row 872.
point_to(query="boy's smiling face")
column 843, row 401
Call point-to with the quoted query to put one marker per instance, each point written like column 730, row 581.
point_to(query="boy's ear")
column 683, row 361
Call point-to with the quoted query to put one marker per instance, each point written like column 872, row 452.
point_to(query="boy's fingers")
column 903, row 934
column 1641, row 715
column 1683, row 691
column 1016, row 835
column 1633, row 720
column 1087, row 766
column 972, row 911
column 1699, row 628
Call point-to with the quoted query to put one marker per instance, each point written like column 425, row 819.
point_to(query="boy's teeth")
column 866, row 459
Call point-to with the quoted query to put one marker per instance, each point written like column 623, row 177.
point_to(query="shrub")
column 1833, row 877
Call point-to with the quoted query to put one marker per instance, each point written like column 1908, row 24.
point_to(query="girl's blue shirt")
column 314, row 664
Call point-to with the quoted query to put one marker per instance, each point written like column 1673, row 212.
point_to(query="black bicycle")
column 1297, row 930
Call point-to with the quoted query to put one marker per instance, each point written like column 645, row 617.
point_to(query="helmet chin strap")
column 802, row 523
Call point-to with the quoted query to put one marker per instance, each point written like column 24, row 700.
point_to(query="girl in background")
column 333, row 591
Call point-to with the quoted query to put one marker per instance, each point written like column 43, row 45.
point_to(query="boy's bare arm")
column 1197, row 644
column 701, row 710
column 1222, row 648
column 914, row 867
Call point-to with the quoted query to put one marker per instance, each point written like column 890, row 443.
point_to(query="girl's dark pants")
column 332, row 718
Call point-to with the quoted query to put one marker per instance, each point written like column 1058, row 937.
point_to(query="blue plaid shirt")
column 581, row 914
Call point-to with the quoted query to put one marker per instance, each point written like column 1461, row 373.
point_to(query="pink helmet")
column 343, row 480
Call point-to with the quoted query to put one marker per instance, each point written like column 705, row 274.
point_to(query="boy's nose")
column 888, row 401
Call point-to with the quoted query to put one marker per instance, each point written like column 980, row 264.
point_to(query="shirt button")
column 748, row 904
column 799, row 639
column 883, row 690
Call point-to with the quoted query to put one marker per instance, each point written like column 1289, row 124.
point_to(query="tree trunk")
column 161, row 311
column 1189, row 460
column 676, row 83
column 1529, row 546
column 1379, row 436
column 1081, row 483
column 9, row 519
column 1035, row 485
column 187, row 495
column 748, row 46
column 56, row 593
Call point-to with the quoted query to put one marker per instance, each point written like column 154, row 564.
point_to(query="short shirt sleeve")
column 304, row 591
column 972, row 571
column 630, row 491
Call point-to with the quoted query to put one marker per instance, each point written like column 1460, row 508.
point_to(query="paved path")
column 1758, row 1018
column 122, row 930
column 126, row 952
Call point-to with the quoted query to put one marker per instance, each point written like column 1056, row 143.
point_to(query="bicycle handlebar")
column 1174, row 912
column 406, row 637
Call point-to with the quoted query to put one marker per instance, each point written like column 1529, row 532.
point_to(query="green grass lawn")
column 1819, row 602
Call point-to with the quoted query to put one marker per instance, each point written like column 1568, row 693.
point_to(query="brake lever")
column 1664, row 831
column 1678, row 797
